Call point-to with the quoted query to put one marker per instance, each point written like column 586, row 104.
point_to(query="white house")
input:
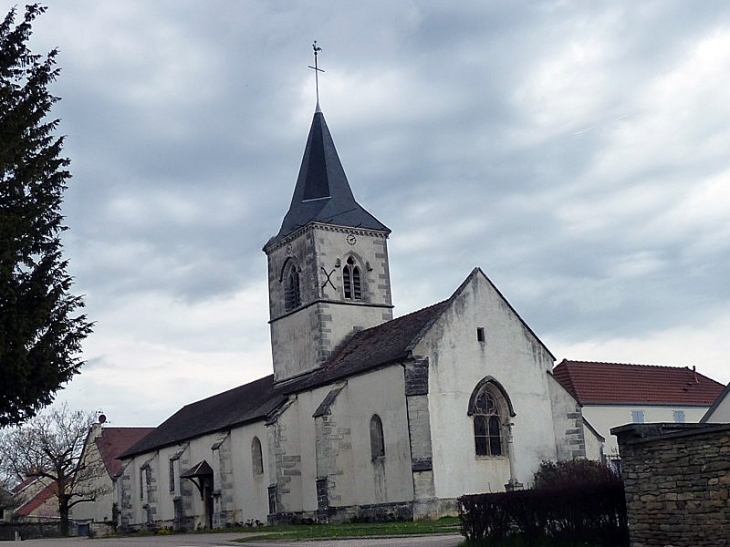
column 614, row 394
column 103, row 445
column 364, row 415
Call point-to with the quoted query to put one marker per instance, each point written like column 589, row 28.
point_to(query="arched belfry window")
column 292, row 295
column 377, row 440
column 351, row 280
column 490, row 409
column 257, row 457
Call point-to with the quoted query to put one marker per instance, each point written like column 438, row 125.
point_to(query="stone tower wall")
column 303, row 338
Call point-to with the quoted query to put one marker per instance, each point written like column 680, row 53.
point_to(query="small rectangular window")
column 679, row 416
column 480, row 334
column 637, row 416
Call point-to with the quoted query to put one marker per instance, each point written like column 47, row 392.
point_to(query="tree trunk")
column 63, row 513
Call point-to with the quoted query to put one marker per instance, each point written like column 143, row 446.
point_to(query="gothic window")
column 351, row 280
column 292, row 296
column 257, row 457
column 487, row 425
column 490, row 409
column 377, row 440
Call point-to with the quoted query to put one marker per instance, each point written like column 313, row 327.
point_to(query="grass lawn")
column 354, row 530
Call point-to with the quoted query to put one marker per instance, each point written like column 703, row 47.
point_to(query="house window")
column 637, row 416
column 377, row 440
column 351, row 281
column 172, row 476
column 141, row 483
column 480, row 334
column 679, row 416
column 292, row 296
column 257, row 457
column 487, row 417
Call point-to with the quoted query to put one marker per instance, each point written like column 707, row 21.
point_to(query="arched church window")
column 257, row 457
column 292, row 296
column 377, row 440
column 487, row 408
column 352, row 282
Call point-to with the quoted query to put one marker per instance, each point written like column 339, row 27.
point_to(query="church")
column 365, row 416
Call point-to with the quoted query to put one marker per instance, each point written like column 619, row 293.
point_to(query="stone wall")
column 677, row 480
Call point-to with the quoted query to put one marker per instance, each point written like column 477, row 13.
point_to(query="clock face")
column 351, row 239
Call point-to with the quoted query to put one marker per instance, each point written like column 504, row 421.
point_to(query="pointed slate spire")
column 322, row 193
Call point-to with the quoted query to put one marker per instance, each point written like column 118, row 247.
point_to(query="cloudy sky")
column 579, row 152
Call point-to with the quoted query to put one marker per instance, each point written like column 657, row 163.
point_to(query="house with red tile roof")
column 104, row 443
column 33, row 498
column 614, row 394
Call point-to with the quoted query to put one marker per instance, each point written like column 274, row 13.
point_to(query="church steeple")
column 328, row 265
column 322, row 193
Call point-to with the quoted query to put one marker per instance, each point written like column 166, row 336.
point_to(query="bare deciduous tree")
column 52, row 447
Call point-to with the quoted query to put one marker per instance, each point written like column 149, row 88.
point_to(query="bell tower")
column 328, row 265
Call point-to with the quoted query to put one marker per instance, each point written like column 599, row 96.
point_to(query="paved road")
column 227, row 539
column 429, row 541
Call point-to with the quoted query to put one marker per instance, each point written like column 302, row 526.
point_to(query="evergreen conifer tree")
column 40, row 335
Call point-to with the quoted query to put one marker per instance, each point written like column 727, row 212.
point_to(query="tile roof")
column 618, row 383
column 365, row 350
column 37, row 501
column 27, row 481
column 237, row 406
column 322, row 192
column 113, row 441
column 372, row 348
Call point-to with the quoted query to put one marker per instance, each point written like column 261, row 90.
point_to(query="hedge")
column 593, row 514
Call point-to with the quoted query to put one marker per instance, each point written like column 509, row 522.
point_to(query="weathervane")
column 316, row 69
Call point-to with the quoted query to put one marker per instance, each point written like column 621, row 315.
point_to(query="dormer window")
column 351, row 280
column 292, row 296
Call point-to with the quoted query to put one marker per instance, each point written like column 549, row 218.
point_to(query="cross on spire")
column 316, row 69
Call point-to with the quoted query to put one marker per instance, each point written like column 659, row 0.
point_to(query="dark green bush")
column 577, row 514
column 570, row 473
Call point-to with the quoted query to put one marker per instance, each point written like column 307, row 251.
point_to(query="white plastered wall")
column 458, row 361
column 250, row 495
column 721, row 414
column 604, row 417
column 595, row 445
column 99, row 510
column 378, row 392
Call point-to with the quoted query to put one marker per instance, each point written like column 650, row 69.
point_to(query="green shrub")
column 552, row 475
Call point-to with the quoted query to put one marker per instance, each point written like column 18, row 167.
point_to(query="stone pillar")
column 677, row 481
column 513, row 483
column 425, row 503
